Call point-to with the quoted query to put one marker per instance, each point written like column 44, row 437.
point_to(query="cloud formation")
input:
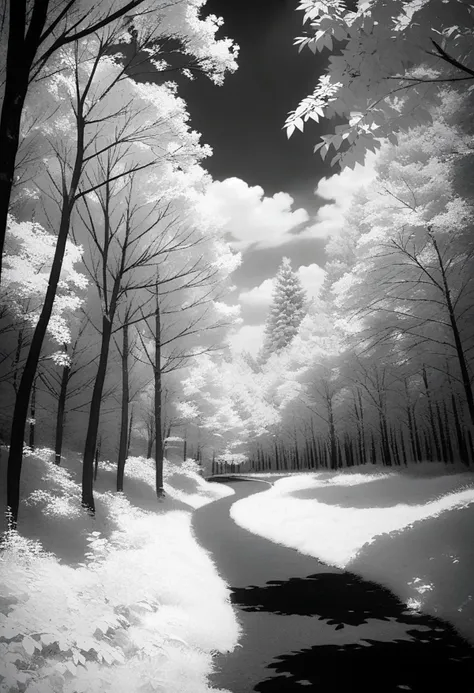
column 251, row 219
column 339, row 190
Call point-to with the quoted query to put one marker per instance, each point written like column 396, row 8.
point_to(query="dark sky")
column 243, row 119
column 243, row 123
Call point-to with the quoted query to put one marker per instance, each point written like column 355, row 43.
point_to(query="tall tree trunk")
column 312, row 459
column 359, row 412
column 16, row 362
column 60, row 413
column 386, row 454
column 32, row 424
column 123, row 444
column 94, row 417
column 466, row 381
column 151, row 436
column 340, row 461
column 362, row 428
column 411, row 429
column 442, row 434
column 449, row 445
column 157, row 394
column 96, row 459
column 403, row 447
column 314, row 447
column 428, row 447
column 394, row 445
column 459, row 434
column 431, row 414
column 332, row 434
column 129, row 437
column 373, row 450
column 23, row 41
column 20, row 413
column 419, row 452
column 297, row 454
column 471, row 443
column 324, row 456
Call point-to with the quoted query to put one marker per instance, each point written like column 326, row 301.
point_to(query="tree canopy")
column 388, row 60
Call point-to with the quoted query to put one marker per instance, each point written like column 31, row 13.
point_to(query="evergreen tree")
column 286, row 312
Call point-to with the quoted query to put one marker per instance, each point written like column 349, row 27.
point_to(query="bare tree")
column 128, row 239
column 324, row 392
column 165, row 351
column 68, row 382
column 69, row 191
column 126, row 350
column 427, row 292
column 36, row 30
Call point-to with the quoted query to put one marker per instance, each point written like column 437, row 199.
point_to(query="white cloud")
column 311, row 277
column 340, row 188
column 258, row 296
column 252, row 218
column 247, row 338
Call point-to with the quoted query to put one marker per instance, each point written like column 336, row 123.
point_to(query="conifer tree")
column 286, row 311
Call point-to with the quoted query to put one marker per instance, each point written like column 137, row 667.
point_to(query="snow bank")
column 124, row 602
column 410, row 530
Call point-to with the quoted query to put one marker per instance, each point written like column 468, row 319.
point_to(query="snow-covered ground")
column 124, row 602
column 411, row 530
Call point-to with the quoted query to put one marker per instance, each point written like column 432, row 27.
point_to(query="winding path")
column 308, row 626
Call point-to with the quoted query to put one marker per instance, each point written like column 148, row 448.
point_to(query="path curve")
column 308, row 626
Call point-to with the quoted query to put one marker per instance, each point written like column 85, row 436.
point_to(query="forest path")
column 308, row 626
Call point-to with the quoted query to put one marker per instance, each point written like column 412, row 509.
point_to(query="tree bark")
column 442, row 434
column 419, row 452
column 60, row 414
column 24, row 41
column 434, row 433
column 459, row 434
column 332, row 433
column 466, row 381
column 151, row 438
column 373, row 450
column 449, row 445
column 96, row 459
column 122, row 455
column 157, row 393
column 20, row 413
column 22, row 46
column 16, row 362
column 129, row 437
column 411, row 429
column 404, row 452
column 32, row 424
column 94, row 417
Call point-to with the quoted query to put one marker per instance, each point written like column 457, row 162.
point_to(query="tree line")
column 100, row 225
